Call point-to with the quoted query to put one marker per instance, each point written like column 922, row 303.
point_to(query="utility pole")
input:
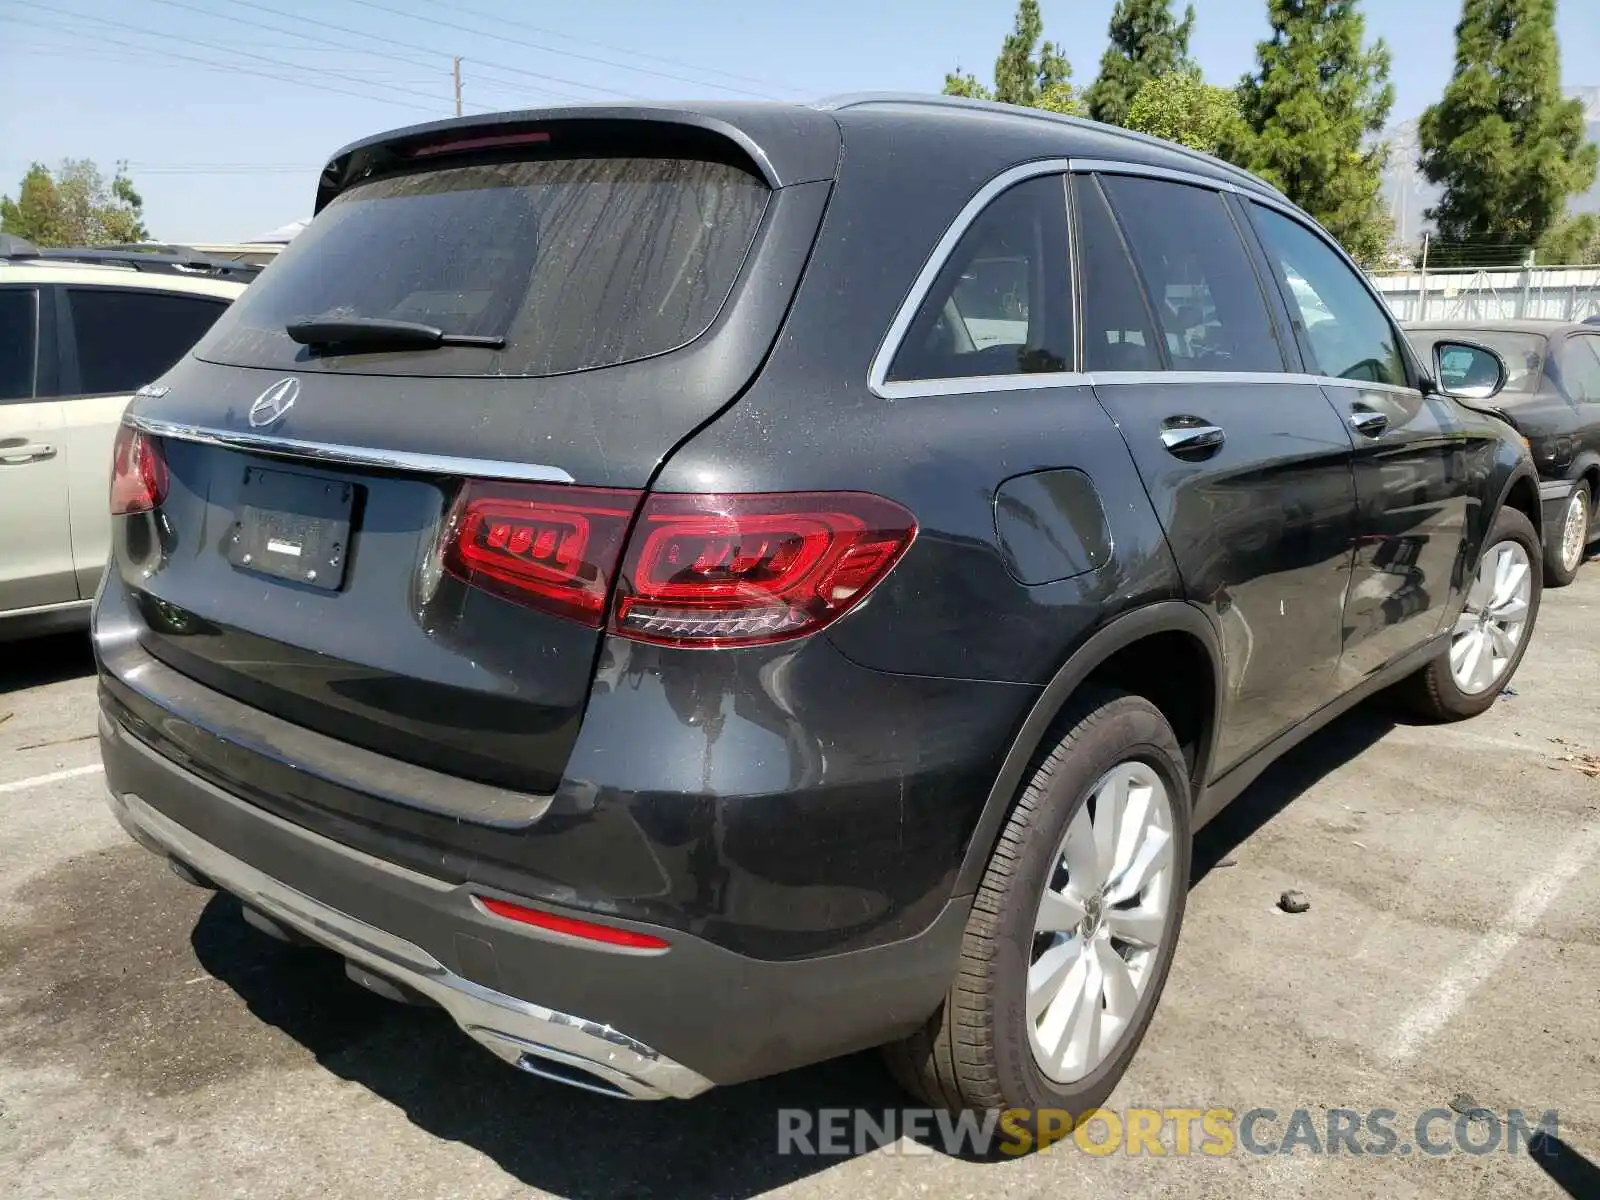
column 1422, row 284
column 456, row 71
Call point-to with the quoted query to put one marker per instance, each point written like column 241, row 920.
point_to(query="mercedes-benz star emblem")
column 274, row 402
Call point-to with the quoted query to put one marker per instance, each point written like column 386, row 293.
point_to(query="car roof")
column 1058, row 134
column 107, row 274
column 795, row 143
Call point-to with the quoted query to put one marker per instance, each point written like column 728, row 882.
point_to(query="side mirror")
column 1467, row 370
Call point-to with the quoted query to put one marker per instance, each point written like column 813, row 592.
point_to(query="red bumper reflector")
column 571, row 926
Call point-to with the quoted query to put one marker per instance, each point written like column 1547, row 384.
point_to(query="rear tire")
column 990, row 1046
column 1491, row 635
column 1567, row 540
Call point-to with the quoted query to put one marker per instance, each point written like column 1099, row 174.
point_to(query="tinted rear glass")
column 17, row 324
column 577, row 263
column 128, row 338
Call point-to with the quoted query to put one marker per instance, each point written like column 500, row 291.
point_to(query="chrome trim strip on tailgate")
column 350, row 456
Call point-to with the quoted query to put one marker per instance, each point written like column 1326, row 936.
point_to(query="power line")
column 213, row 64
column 476, row 62
column 567, row 37
column 323, row 43
column 168, row 37
column 605, row 62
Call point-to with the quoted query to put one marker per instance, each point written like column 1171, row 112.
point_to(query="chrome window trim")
column 350, row 456
column 1107, row 166
column 978, row 384
column 965, row 384
column 1361, row 385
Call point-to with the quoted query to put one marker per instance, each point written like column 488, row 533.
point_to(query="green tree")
column 1182, row 107
column 1028, row 72
column 1574, row 242
column 1147, row 42
column 74, row 206
column 1506, row 147
column 1310, row 109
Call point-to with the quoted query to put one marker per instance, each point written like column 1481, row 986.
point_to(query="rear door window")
column 576, row 263
column 19, row 340
column 126, row 338
column 1118, row 332
column 1197, row 275
column 1002, row 303
column 1345, row 333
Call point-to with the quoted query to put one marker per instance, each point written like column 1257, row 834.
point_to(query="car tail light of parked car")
column 547, row 546
column 700, row 570
column 138, row 473
column 715, row 570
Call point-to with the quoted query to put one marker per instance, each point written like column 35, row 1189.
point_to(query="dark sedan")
column 1552, row 396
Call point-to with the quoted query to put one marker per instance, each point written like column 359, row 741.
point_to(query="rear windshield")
column 1523, row 352
column 576, row 263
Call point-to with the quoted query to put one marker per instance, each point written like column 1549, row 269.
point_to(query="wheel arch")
column 1121, row 655
column 1589, row 472
column 1521, row 492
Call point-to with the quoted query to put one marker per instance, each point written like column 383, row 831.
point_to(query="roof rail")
column 162, row 260
column 1227, row 169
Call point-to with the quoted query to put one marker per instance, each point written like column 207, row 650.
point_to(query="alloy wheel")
column 1575, row 531
column 1104, row 912
column 1489, row 631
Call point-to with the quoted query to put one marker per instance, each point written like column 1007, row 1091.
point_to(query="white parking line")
column 1453, row 991
column 22, row 785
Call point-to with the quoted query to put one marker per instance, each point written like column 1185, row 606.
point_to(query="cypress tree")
column 1317, row 96
column 1147, row 41
column 1027, row 72
column 1506, row 147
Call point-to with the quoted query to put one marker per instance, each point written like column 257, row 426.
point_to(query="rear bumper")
column 642, row 1024
column 522, row 1033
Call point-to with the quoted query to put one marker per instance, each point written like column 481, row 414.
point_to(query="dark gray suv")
column 693, row 591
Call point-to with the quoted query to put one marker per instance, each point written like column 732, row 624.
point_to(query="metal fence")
column 1492, row 294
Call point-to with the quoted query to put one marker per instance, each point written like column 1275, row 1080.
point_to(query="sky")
column 225, row 109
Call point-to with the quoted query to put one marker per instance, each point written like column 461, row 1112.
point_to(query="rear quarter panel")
column 810, row 421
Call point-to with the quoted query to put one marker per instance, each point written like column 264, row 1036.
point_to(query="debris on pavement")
column 1465, row 1104
column 1294, row 902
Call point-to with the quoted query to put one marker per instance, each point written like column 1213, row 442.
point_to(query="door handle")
column 1196, row 440
column 16, row 456
column 1368, row 422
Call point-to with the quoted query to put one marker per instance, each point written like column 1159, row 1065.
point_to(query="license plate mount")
column 294, row 527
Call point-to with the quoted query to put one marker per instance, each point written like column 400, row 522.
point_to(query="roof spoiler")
column 783, row 144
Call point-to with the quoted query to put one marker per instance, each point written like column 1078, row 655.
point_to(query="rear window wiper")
column 381, row 333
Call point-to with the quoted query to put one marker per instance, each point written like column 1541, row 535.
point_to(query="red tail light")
column 138, row 473
column 739, row 570
column 546, row 545
column 711, row 570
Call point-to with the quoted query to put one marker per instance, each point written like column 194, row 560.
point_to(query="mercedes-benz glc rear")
column 407, row 643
